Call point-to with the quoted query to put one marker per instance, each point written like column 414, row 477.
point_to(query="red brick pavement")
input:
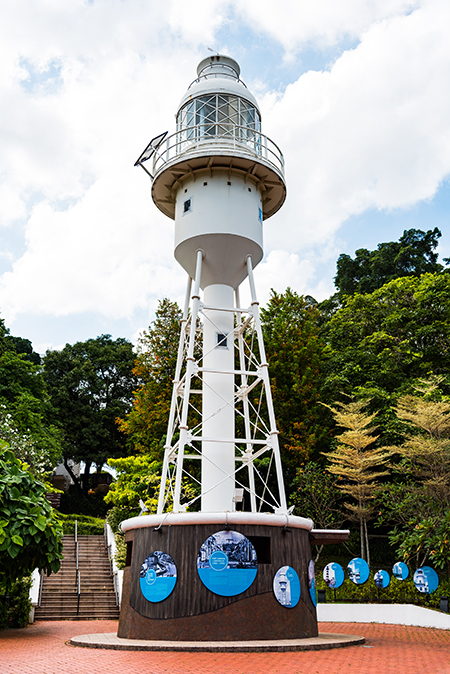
column 390, row 649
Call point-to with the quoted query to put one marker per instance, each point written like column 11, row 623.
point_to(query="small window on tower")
column 187, row 205
column 221, row 341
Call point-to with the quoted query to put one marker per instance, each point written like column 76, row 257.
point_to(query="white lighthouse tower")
column 207, row 565
column 219, row 178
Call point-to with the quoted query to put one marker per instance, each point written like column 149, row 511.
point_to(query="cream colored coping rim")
column 218, row 518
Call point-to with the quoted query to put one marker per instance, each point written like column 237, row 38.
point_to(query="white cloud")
column 84, row 86
column 298, row 23
column 373, row 132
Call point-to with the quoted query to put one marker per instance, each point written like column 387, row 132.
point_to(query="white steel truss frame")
column 252, row 401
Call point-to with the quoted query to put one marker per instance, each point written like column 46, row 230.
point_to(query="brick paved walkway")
column 390, row 649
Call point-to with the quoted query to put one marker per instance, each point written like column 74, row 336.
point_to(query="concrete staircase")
column 59, row 591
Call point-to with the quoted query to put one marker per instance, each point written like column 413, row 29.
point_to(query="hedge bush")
column 15, row 606
column 86, row 526
column 397, row 592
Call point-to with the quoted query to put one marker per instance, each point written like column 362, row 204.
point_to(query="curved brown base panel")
column 193, row 612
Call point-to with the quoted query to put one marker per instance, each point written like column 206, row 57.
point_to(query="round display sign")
column 312, row 582
column 226, row 563
column 381, row 578
column 286, row 586
column 157, row 576
column 400, row 571
column 333, row 575
column 426, row 580
column 358, row 570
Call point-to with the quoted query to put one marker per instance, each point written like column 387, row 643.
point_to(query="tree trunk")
column 361, row 535
column 367, row 543
column 87, row 469
column 319, row 550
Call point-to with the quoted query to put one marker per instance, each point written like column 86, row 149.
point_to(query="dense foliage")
column 26, row 421
column 30, row 533
column 412, row 255
column 146, row 423
column 15, row 604
column 90, row 385
column 295, row 352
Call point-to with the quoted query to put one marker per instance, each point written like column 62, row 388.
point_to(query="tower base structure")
column 192, row 612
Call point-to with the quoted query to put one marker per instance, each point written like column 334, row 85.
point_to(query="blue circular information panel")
column 333, row 575
column 426, row 580
column 226, row 563
column 358, row 570
column 312, row 582
column 157, row 576
column 400, row 571
column 381, row 579
column 286, row 587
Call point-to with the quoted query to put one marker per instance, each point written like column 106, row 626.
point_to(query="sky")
column 355, row 93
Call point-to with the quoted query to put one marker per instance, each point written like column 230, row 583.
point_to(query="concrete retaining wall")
column 390, row 614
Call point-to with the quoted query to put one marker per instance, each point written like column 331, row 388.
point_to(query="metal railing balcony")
column 210, row 138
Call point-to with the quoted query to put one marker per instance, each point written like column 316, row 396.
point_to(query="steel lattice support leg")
column 265, row 375
column 173, row 406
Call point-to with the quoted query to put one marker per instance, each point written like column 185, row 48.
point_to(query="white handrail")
column 78, row 592
column 117, row 573
column 221, row 138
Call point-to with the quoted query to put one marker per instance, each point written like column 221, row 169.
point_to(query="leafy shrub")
column 86, row 526
column 15, row 606
column 30, row 532
column 397, row 592
column 115, row 516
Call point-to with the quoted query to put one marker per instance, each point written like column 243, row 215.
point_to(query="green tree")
column 295, row 352
column 316, row 496
column 91, row 385
column 146, row 422
column 30, row 533
column 381, row 342
column 357, row 464
column 40, row 449
column 420, row 505
column 136, row 481
column 25, row 410
column 412, row 255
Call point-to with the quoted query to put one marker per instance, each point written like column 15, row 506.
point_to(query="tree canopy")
column 146, row 422
column 295, row 352
column 398, row 332
column 419, row 505
column 412, row 255
column 90, row 385
column 25, row 410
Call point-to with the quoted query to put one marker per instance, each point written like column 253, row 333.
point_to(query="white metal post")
column 244, row 381
column 265, row 376
column 190, row 363
column 173, row 405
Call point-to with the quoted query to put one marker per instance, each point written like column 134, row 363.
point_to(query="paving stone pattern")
column 390, row 649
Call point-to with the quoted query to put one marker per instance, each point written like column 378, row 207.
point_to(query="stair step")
column 97, row 600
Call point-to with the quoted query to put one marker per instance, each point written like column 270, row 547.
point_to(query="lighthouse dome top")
column 219, row 63
column 218, row 74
